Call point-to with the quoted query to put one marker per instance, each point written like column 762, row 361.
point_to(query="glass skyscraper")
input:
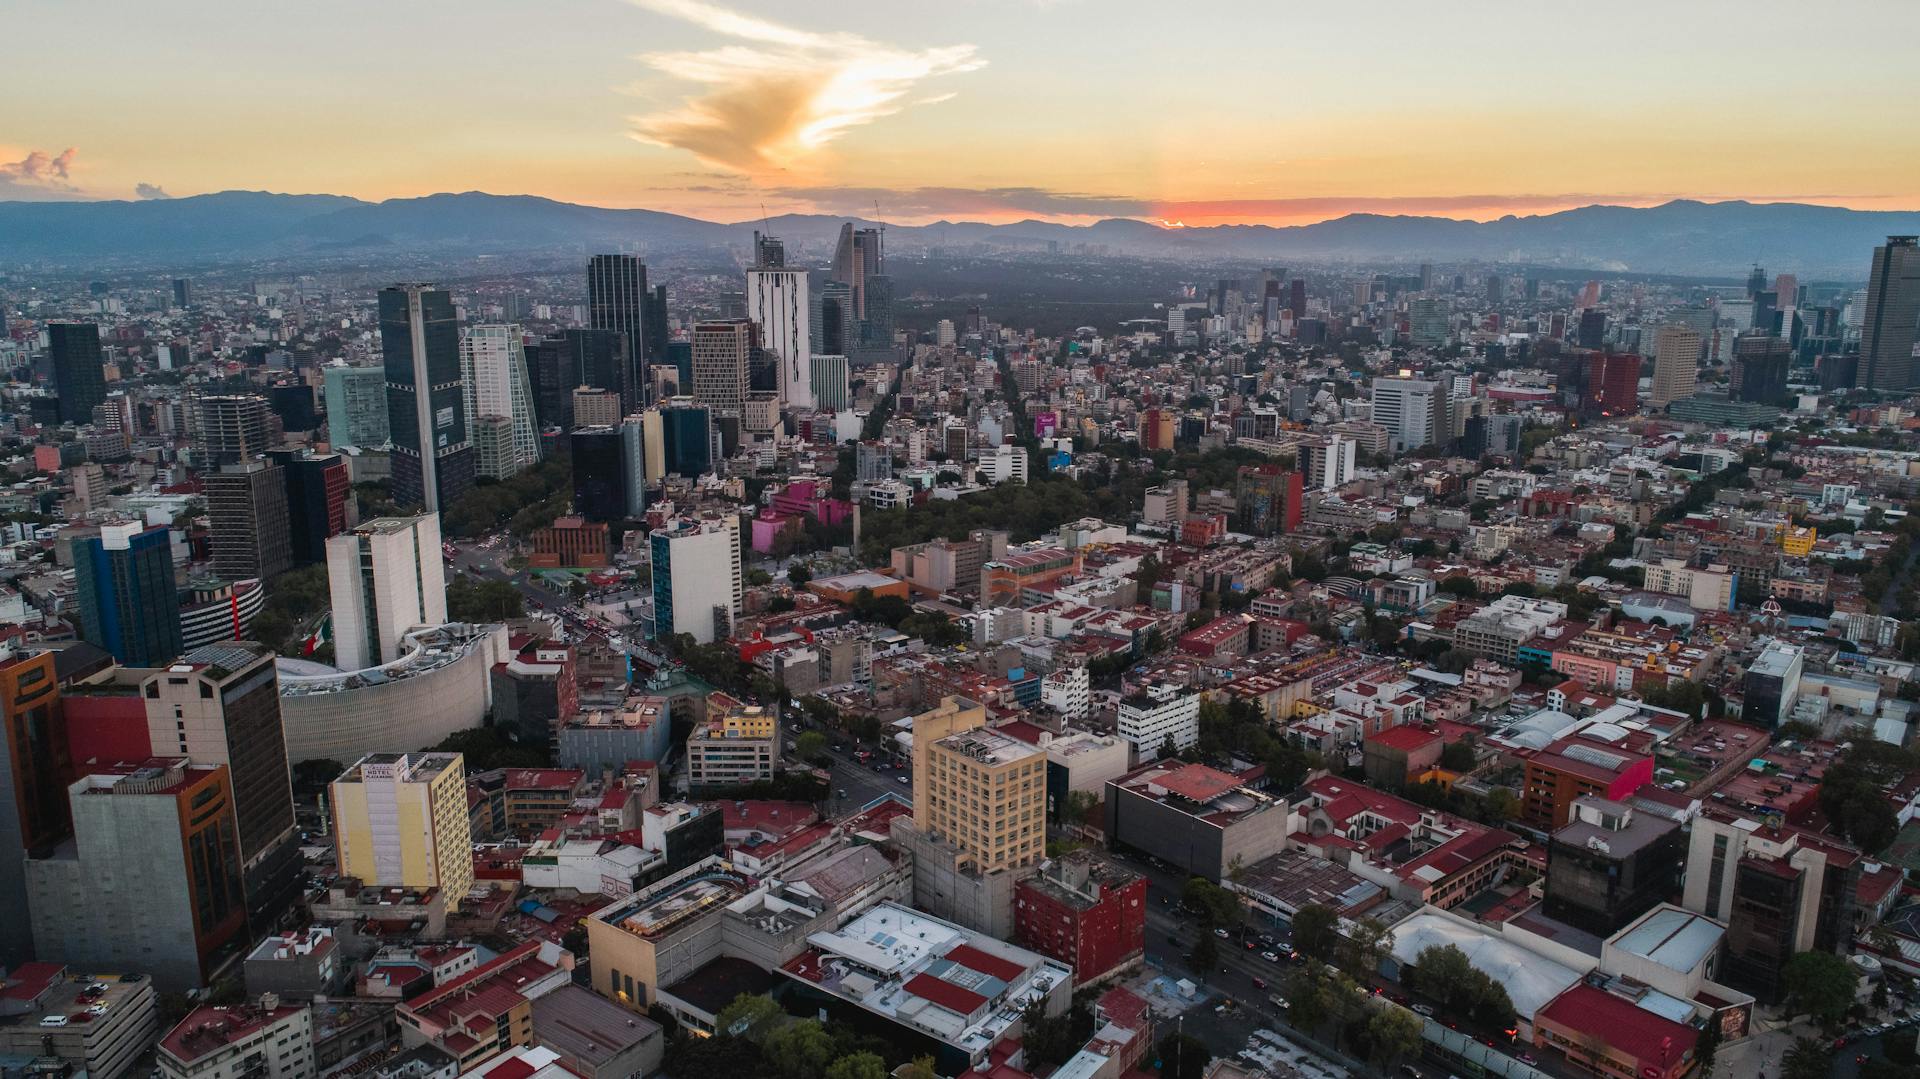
column 426, row 408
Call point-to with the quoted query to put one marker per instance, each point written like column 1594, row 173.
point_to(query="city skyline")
column 975, row 111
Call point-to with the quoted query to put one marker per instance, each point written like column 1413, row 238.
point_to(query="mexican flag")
column 321, row 635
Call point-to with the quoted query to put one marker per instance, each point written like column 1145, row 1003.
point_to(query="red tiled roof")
column 946, row 994
column 1621, row 1025
column 1405, row 738
column 974, row 959
column 1197, row 782
column 520, row 779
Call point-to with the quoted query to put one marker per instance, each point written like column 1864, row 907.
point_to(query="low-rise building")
column 299, row 964
column 489, row 1010
column 741, row 745
column 1610, row 864
column 1157, row 716
column 1202, row 820
column 1086, row 912
column 99, row 1025
column 607, row 739
column 267, row 1040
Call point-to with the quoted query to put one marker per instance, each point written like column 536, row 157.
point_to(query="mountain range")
column 1680, row 237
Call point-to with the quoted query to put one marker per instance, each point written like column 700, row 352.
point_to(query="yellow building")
column 1798, row 541
column 740, row 745
column 400, row 820
column 981, row 790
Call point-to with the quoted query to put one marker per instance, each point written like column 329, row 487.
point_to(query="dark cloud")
column 151, row 191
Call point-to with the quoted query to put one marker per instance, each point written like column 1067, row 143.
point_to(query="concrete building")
column 151, row 878
column 606, row 739
column 221, row 705
column 596, row 1038
column 386, row 577
column 247, row 520
column 1156, row 715
column 1676, row 364
column 233, row 429
column 1414, row 412
column 441, row 682
column 740, row 746
column 777, row 304
column 37, row 1005
column 1610, row 864
column 34, row 767
column 426, row 397
column 1710, row 589
column 401, row 821
column 722, row 353
column 1086, row 912
column 696, row 578
column 1499, row 629
column 125, row 590
column 1773, row 684
column 983, row 791
column 299, row 964
column 356, row 400
column 1202, row 820
column 266, row 1040
column 488, row 1011
column 933, row 986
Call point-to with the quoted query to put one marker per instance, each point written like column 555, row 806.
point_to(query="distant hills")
column 1680, row 237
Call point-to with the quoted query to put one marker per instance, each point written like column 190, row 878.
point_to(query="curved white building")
column 439, row 685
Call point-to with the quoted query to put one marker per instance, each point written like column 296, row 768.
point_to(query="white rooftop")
column 1530, row 979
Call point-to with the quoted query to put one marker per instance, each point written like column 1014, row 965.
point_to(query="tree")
column 858, row 1066
column 917, row 1068
column 1316, row 931
column 470, row 600
column 810, row 746
column 757, row 577
column 1205, row 955
column 1809, row 1058
column 1365, row 945
column 799, row 1050
column 1820, row 985
column 1214, row 905
column 1393, row 1034
column 1457, row 756
column 1052, row 1040
column 750, row 1016
column 1182, row 1056
column 799, row 574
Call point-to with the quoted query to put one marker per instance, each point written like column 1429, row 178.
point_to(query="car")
column 1252, row 944
column 843, row 792
column 1423, row 1010
column 902, row 779
column 1221, row 933
column 1840, row 1043
column 1271, row 957
column 1259, row 983
column 53, row 1020
column 1871, row 1031
column 1860, row 1058
column 1528, row 1060
column 1279, row 1001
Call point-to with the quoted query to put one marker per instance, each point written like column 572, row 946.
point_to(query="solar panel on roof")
column 1590, row 755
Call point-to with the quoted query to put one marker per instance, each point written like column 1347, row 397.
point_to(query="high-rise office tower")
column 1760, row 363
column 876, row 329
column 1593, row 329
column 1756, row 280
column 696, row 578
column 400, row 821
column 1414, row 412
column 356, row 406
column 426, row 407
column 247, row 520
column 1676, row 364
column 832, row 319
column 124, row 587
column 655, row 325
column 1496, row 288
column 1608, row 382
column 493, row 365
column 600, row 475
column 385, row 577
column 182, row 292
column 617, row 300
column 221, row 705
column 1297, row 298
column 777, row 304
column 1892, row 311
column 1267, row 500
column 233, row 428
column 152, row 880
column 832, row 385
column 595, row 408
column 858, row 256
column 722, row 352
column 687, row 434
column 552, row 374
column 1427, row 322
column 317, row 490
column 35, row 768
column 768, row 252
column 79, row 371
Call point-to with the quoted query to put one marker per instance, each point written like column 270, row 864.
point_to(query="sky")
column 1272, row 111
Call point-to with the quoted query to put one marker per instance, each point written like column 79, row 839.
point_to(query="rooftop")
column 1621, row 1024
column 207, row 1030
column 1674, row 938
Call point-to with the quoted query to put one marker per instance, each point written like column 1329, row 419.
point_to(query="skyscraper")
column 124, row 586
column 777, row 304
column 696, row 578
column 385, row 577
column 233, row 428
column 79, row 372
column 1893, row 309
column 400, row 821
column 356, row 406
column 599, row 473
column 1427, row 322
column 247, row 520
column 426, row 417
column 1593, row 329
column 1760, row 363
column 832, row 390
column 655, row 325
column 1676, row 364
column 856, row 257
column 221, row 705
column 687, row 435
column 493, row 365
column 182, row 292
column 722, row 351
column 152, row 878
column 35, row 768
column 832, row 321
column 317, row 488
column 617, row 300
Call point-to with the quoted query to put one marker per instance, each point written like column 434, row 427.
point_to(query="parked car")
column 1271, row 957
column 1221, row 933
column 1423, row 1010
column 1259, row 983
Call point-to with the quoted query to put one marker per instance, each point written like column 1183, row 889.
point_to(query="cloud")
column 151, row 191
column 779, row 93
column 39, row 171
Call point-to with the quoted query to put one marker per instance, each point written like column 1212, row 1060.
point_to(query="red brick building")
column 1086, row 912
